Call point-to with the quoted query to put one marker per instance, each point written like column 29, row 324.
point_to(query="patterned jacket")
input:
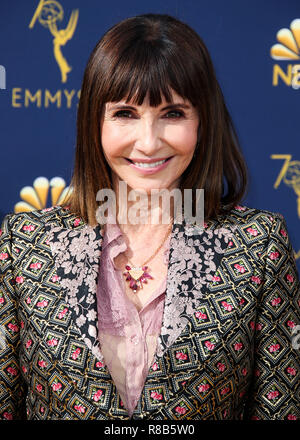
column 231, row 310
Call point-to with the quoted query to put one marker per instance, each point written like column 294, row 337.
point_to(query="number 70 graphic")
column 289, row 173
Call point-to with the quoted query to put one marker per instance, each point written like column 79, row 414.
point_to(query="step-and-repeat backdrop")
column 45, row 45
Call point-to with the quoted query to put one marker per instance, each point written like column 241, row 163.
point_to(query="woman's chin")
column 149, row 189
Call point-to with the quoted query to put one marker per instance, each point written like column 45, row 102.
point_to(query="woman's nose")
column 148, row 139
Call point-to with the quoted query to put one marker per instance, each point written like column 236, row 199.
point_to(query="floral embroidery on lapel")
column 195, row 255
column 76, row 253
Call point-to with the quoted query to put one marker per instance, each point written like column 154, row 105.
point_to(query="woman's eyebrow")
column 120, row 107
column 176, row 105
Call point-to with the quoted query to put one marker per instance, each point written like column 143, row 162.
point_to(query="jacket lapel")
column 195, row 255
column 76, row 249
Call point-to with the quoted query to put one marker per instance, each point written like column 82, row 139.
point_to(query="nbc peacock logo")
column 287, row 49
column 42, row 194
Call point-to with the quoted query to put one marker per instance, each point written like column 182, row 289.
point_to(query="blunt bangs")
column 149, row 66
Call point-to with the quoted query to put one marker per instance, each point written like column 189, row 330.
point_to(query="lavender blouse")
column 127, row 336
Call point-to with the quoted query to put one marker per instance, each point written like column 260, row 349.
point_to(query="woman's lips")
column 150, row 170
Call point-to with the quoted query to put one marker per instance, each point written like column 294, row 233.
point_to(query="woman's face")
column 149, row 147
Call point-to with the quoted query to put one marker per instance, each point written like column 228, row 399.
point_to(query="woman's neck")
column 138, row 210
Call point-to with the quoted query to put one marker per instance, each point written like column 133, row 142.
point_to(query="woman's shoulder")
column 31, row 220
column 255, row 224
column 242, row 214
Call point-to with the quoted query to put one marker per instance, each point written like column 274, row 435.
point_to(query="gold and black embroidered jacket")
column 231, row 307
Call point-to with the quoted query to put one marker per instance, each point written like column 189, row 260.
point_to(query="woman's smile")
column 149, row 167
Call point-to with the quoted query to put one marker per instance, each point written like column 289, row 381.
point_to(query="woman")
column 149, row 320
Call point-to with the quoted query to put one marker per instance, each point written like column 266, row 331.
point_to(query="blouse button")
column 134, row 339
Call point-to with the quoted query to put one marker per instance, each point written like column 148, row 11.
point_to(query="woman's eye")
column 123, row 114
column 174, row 114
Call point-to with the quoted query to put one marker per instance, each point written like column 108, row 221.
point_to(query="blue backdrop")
column 45, row 45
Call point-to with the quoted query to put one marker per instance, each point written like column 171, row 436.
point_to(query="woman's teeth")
column 149, row 165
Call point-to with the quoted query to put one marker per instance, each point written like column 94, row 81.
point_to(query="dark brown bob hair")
column 152, row 54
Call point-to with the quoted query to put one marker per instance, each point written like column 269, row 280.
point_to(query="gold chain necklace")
column 137, row 275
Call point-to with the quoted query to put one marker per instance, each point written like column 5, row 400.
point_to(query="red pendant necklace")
column 137, row 275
